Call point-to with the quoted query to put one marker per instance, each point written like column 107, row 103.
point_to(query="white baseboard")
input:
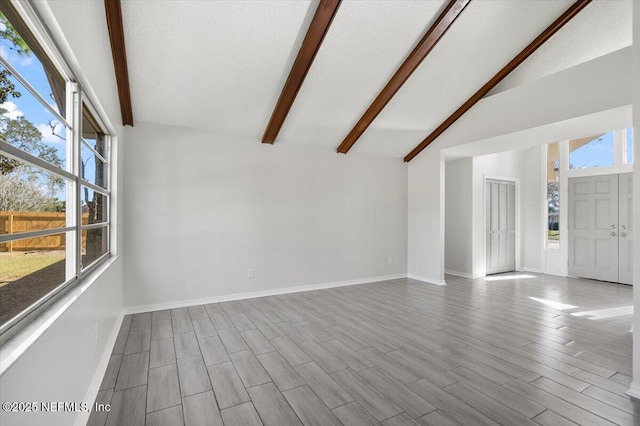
column 426, row 280
column 254, row 294
column 94, row 387
column 533, row 270
column 459, row 274
column 634, row 391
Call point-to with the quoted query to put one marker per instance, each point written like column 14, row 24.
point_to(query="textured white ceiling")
column 601, row 28
column 365, row 45
column 216, row 65
column 220, row 65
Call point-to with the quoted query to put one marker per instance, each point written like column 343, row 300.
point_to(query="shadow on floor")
column 20, row 294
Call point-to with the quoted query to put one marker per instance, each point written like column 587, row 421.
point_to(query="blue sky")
column 630, row 145
column 597, row 153
column 600, row 152
column 32, row 109
column 27, row 105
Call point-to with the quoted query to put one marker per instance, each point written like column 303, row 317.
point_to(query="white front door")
column 500, row 199
column 625, row 183
column 600, row 231
column 593, row 227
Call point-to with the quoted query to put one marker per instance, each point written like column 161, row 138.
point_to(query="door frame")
column 561, row 254
column 592, row 233
column 485, row 178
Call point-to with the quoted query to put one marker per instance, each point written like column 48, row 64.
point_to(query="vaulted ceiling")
column 222, row 65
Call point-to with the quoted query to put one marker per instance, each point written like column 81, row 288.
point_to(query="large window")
column 553, row 194
column 592, row 151
column 628, row 142
column 603, row 153
column 54, row 176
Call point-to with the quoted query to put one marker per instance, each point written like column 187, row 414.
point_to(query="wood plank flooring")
column 520, row 351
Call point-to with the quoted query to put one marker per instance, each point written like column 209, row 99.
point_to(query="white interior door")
column 593, row 227
column 500, row 217
column 625, row 241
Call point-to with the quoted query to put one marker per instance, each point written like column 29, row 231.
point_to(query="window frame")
column 548, row 243
column 565, row 172
column 78, row 103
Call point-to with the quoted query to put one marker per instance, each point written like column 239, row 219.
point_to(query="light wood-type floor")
column 398, row 352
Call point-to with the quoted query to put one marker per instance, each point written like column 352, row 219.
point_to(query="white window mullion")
column 619, row 147
column 71, row 203
column 76, row 120
column 564, row 155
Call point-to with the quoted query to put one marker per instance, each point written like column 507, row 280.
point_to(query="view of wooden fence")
column 15, row 222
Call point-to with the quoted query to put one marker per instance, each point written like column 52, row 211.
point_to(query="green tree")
column 23, row 134
column 12, row 38
column 24, row 193
column 7, row 88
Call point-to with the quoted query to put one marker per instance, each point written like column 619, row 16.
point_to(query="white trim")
column 544, row 206
column 60, row 49
column 20, row 155
column 517, row 213
column 559, row 274
column 459, row 274
column 41, row 32
column 34, row 234
column 563, row 155
column 533, row 270
column 634, row 391
column 426, row 280
column 94, row 387
column 34, row 92
column 599, row 171
column 12, row 349
column 255, row 294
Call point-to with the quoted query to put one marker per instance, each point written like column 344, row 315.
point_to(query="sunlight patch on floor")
column 508, row 277
column 553, row 304
column 605, row 313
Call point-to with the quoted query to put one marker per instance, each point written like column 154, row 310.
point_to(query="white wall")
column 547, row 109
column 533, row 209
column 635, row 385
column 590, row 97
column 65, row 361
column 465, row 208
column 458, row 234
column 62, row 363
column 202, row 208
column 426, row 217
column 508, row 164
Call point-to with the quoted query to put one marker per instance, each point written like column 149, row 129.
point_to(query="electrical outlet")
column 390, row 261
column 249, row 273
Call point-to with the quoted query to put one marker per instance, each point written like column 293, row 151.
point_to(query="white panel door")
column 593, row 227
column 625, row 241
column 500, row 217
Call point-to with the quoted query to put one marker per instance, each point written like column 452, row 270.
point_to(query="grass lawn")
column 16, row 265
column 553, row 235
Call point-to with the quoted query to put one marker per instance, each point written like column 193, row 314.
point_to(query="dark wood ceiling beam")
column 116, row 36
column 520, row 58
column 415, row 58
column 307, row 53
